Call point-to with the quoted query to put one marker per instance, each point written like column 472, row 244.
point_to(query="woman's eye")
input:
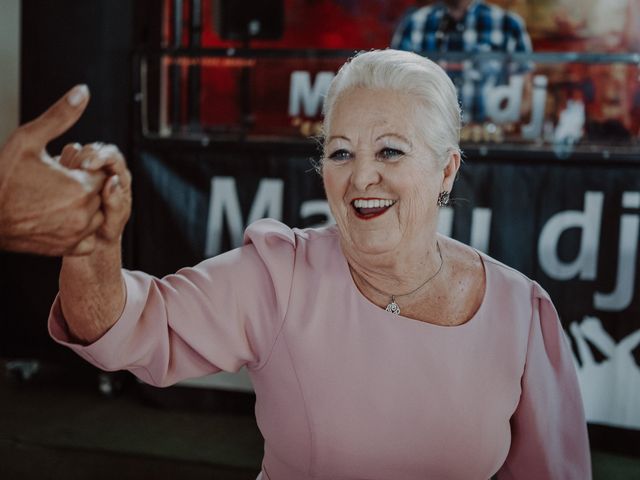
column 390, row 153
column 340, row 155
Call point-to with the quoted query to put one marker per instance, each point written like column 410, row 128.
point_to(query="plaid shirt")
column 483, row 28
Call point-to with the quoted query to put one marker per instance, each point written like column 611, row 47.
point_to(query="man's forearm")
column 9, row 156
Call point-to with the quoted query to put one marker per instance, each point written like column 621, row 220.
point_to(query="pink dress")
column 346, row 390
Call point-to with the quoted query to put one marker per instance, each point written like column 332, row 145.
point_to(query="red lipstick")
column 370, row 208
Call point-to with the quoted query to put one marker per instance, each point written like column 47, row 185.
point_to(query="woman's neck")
column 395, row 272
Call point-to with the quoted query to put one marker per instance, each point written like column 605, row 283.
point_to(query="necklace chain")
column 392, row 306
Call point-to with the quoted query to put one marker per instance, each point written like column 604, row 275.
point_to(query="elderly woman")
column 377, row 348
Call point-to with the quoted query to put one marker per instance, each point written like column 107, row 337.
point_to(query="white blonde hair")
column 410, row 73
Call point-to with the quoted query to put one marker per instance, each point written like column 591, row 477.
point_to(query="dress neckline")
column 474, row 319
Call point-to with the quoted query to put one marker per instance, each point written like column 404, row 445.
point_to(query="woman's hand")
column 92, row 291
column 115, row 194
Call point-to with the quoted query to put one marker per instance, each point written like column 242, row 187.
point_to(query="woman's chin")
column 372, row 246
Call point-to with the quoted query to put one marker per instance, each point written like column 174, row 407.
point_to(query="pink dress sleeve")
column 219, row 315
column 549, row 432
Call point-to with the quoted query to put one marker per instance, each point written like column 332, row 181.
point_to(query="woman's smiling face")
column 381, row 179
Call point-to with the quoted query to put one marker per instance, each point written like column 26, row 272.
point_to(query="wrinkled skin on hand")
column 45, row 207
column 116, row 193
column 92, row 292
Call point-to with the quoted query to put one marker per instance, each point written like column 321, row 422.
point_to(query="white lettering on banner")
column 224, row 202
column 533, row 129
column 503, row 101
column 611, row 388
column 480, row 226
column 480, row 229
column 317, row 207
column 445, row 221
column 586, row 263
column 302, row 94
column 620, row 298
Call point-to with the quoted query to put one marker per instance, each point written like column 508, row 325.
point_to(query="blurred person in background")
column 471, row 27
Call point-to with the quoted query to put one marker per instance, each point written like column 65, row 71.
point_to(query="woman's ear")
column 451, row 170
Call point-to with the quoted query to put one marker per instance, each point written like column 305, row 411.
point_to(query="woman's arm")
column 221, row 314
column 92, row 292
column 549, row 430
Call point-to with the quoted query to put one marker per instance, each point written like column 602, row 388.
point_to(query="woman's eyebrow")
column 395, row 135
column 337, row 137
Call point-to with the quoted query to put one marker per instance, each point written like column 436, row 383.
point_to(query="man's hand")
column 46, row 208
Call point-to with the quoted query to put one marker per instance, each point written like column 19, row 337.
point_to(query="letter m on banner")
column 305, row 96
column 225, row 204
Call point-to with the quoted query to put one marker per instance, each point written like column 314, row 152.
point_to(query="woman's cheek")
column 417, row 207
column 334, row 183
column 332, row 190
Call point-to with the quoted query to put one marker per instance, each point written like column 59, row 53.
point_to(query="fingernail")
column 78, row 95
column 77, row 146
column 115, row 182
column 86, row 163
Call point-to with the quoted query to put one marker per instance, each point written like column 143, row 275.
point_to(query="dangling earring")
column 443, row 199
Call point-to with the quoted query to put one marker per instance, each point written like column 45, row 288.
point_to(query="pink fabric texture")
column 346, row 390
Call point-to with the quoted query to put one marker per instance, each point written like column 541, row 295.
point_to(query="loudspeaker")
column 248, row 20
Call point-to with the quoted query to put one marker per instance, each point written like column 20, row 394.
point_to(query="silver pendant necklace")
column 393, row 306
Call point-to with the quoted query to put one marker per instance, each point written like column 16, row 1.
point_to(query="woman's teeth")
column 376, row 203
column 371, row 208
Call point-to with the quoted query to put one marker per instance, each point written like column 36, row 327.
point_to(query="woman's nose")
column 365, row 173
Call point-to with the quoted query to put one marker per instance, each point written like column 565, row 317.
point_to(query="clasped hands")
column 105, row 225
column 67, row 205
